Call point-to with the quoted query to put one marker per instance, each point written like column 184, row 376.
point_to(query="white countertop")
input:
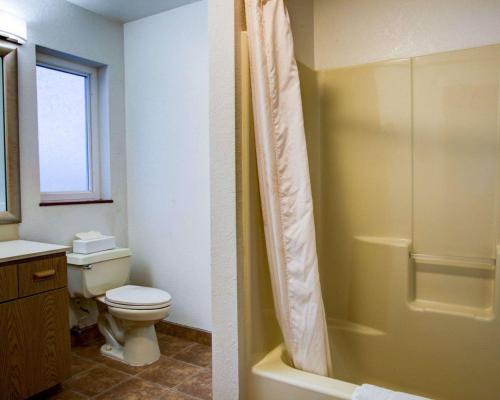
column 17, row 249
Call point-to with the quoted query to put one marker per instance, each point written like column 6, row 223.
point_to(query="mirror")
column 3, row 189
column 10, row 204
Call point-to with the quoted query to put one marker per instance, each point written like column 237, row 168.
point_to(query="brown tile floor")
column 183, row 372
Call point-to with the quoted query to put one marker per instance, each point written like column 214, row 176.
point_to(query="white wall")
column 225, row 277
column 351, row 32
column 61, row 26
column 166, row 75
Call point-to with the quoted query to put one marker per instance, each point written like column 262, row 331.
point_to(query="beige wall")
column 350, row 32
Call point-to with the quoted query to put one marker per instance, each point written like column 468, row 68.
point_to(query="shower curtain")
column 285, row 186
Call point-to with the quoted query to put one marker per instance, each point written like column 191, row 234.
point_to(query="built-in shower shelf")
column 487, row 264
column 349, row 326
column 452, row 309
column 458, row 286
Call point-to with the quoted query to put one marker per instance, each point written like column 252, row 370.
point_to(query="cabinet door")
column 42, row 274
column 8, row 282
column 34, row 344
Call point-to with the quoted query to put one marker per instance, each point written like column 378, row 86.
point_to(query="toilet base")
column 112, row 352
column 130, row 333
column 140, row 347
column 131, row 342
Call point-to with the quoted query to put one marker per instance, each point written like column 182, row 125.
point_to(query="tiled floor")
column 183, row 372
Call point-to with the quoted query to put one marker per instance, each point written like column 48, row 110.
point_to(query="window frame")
column 92, row 107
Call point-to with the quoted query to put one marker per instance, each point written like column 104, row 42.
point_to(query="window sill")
column 73, row 203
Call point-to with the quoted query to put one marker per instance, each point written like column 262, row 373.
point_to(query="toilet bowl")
column 127, row 313
column 127, row 316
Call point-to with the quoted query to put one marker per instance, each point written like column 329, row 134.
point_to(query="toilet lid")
column 131, row 295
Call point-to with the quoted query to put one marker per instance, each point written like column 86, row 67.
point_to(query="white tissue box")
column 94, row 245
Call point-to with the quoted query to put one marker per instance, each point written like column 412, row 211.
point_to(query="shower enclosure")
column 404, row 162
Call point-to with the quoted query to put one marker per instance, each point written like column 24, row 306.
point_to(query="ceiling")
column 129, row 10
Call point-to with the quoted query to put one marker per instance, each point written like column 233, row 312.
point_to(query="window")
column 68, row 139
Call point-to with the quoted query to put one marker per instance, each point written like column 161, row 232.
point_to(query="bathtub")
column 274, row 379
column 400, row 336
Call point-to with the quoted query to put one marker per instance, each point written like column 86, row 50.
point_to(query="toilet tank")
column 91, row 275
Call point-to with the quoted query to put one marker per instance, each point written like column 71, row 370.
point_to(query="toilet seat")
column 132, row 297
column 138, row 307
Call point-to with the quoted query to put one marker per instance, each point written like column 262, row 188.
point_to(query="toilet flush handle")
column 90, row 266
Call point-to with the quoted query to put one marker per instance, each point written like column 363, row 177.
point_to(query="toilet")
column 127, row 313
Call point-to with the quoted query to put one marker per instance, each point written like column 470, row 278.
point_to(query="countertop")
column 12, row 250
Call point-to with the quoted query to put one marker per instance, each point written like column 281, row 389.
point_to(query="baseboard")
column 91, row 334
column 185, row 332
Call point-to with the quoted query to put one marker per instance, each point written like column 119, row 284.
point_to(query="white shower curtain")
column 285, row 186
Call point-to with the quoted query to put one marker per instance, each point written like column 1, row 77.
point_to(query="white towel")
column 370, row 392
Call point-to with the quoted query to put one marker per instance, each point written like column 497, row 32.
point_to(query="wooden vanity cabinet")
column 35, row 352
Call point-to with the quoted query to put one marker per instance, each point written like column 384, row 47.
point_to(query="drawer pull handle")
column 44, row 274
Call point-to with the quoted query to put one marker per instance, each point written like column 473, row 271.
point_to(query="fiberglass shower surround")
column 407, row 157
column 403, row 156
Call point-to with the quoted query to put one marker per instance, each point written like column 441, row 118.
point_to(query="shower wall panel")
column 409, row 150
column 366, row 165
column 455, row 125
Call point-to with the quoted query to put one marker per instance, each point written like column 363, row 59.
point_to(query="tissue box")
column 94, row 245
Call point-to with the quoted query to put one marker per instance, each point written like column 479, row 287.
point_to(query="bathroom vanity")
column 34, row 326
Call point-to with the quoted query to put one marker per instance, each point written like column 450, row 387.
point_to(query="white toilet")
column 127, row 313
